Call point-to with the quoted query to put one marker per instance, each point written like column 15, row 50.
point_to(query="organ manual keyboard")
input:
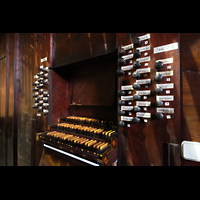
column 90, row 141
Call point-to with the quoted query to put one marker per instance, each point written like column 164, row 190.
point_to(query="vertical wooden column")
column 7, row 87
column 9, row 96
column 3, row 102
column 51, row 61
column 33, row 142
column 17, row 88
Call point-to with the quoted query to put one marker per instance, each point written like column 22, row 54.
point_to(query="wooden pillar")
column 17, row 89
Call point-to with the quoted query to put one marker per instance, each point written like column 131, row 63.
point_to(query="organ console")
column 91, row 141
column 146, row 103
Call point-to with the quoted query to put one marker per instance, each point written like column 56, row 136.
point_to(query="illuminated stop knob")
column 121, row 92
column 136, row 97
column 137, row 42
column 121, row 123
column 159, row 116
column 159, row 65
column 121, row 52
column 136, row 109
column 120, row 72
column 158, row 90
column 136, row 120
column 136, row 64
column 136, row 75
column 136, row 86
column 122, row 112
column 159, row 103
column 158, row 78
column 137, row 53
column 121, row 102
column 122, row 61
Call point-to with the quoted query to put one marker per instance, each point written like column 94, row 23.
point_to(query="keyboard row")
column 90, row 146
column 91, row 121
column 86, row 130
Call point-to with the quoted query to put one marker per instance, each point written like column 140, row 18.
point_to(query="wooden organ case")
column 148, row 99
column 127, row 90
column 82, row 114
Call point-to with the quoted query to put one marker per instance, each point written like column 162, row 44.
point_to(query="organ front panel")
column 82, row 117
column 118, row 108
column 148, row 96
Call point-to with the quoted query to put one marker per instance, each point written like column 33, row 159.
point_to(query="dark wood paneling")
column 100, row 112
column 94, row 88
column 190, row 77
column 190, row 87
column 2, row 46
column 190, row 81
column 1, row 34
column 190, row 66
column 94, row 82
column 34, row 46
column 143, row 143
column 29, row 61
column 3, row 102
column 20, row 56
column 74, row 47
column 17, row 91
column 2, row 112
column 87, row 88
column 10, row 96
column 191, row 125
column 60, row 95
column 51, row 64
